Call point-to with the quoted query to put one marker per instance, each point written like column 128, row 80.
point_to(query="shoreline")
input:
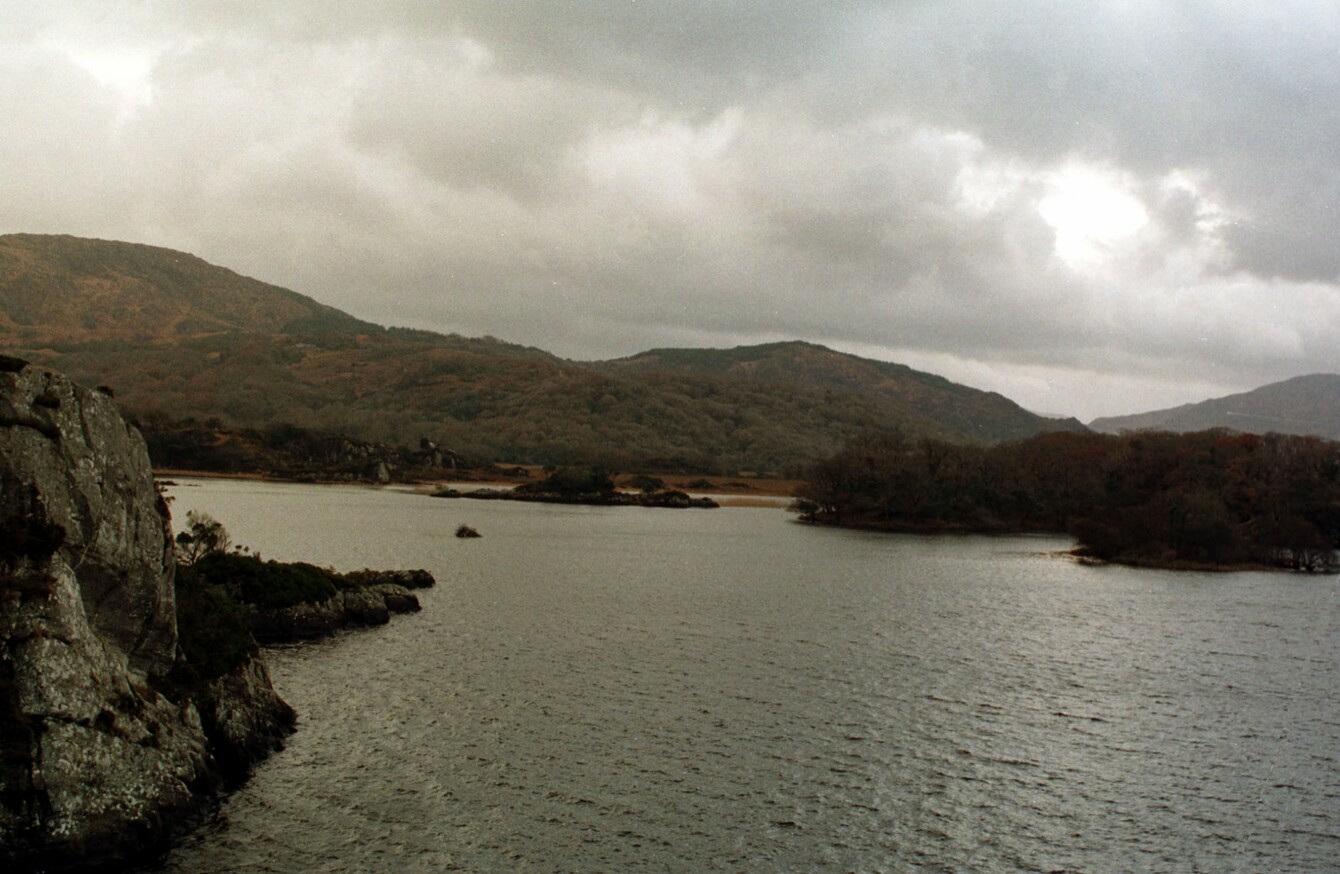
column 727, row 491
column 1077, row 554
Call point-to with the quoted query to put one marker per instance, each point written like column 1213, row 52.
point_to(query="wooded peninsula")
column 1206, row 499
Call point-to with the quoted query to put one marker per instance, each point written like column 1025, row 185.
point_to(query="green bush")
column 269, row 585
column 213, row 629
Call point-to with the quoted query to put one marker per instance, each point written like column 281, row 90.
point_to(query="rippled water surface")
column 621, row 689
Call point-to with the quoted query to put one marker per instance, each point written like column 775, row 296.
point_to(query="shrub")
column 269, row 585
column 572, row 481
column 204, row 535
column 213, row 629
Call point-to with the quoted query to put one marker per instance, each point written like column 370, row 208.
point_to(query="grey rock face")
column 95, row 762
column 68, row 457
column 103, row 758
column 95, row 758
column 244, row 718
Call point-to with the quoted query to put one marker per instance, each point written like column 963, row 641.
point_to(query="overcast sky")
column 1093, row 208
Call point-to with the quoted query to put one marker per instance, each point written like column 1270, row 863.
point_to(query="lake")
column 626, row 689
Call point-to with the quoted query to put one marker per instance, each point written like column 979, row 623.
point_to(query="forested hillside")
column 1209, row 497
column 174, row 338
column 926, row 403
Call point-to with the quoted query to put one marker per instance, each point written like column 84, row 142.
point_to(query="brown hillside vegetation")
column 58, row 288
column 927, row 403
column 176, row 337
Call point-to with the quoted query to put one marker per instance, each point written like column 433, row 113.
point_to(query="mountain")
column 1307, row 405
column 67, row 288
column 176, row 337
column 925, row 402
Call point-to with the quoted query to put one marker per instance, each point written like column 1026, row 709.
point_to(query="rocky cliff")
column 96, row 762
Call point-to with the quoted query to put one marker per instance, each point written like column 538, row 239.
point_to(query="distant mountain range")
column 1302, row 405
column 176, row 337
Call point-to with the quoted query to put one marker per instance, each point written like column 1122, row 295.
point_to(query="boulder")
column 397, row 598
column 364, row 607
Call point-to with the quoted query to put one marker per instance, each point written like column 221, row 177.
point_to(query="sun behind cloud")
column 1092, row 210
column 124, row 72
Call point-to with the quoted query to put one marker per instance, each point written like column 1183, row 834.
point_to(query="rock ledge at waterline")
column 370, row 599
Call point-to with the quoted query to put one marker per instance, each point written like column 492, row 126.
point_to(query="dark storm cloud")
column 1092, row 208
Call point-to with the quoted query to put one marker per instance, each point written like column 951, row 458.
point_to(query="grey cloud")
column 1245, row 91
column 698, row 55
column 475, row 127
column 55, row 166
column 596, row 178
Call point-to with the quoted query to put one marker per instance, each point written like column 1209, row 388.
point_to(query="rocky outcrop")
column 397, row 599
column 96, row 761
column 68, row 459
column 244, row 718
column 360, row 605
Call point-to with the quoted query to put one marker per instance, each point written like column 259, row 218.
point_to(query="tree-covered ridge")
column 490, row 401
column 177, row 338
column 1211, row 497
column 288, row 452
column 925, row 403
column 792, row 359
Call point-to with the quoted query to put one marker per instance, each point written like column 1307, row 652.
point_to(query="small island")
column 593, row 486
